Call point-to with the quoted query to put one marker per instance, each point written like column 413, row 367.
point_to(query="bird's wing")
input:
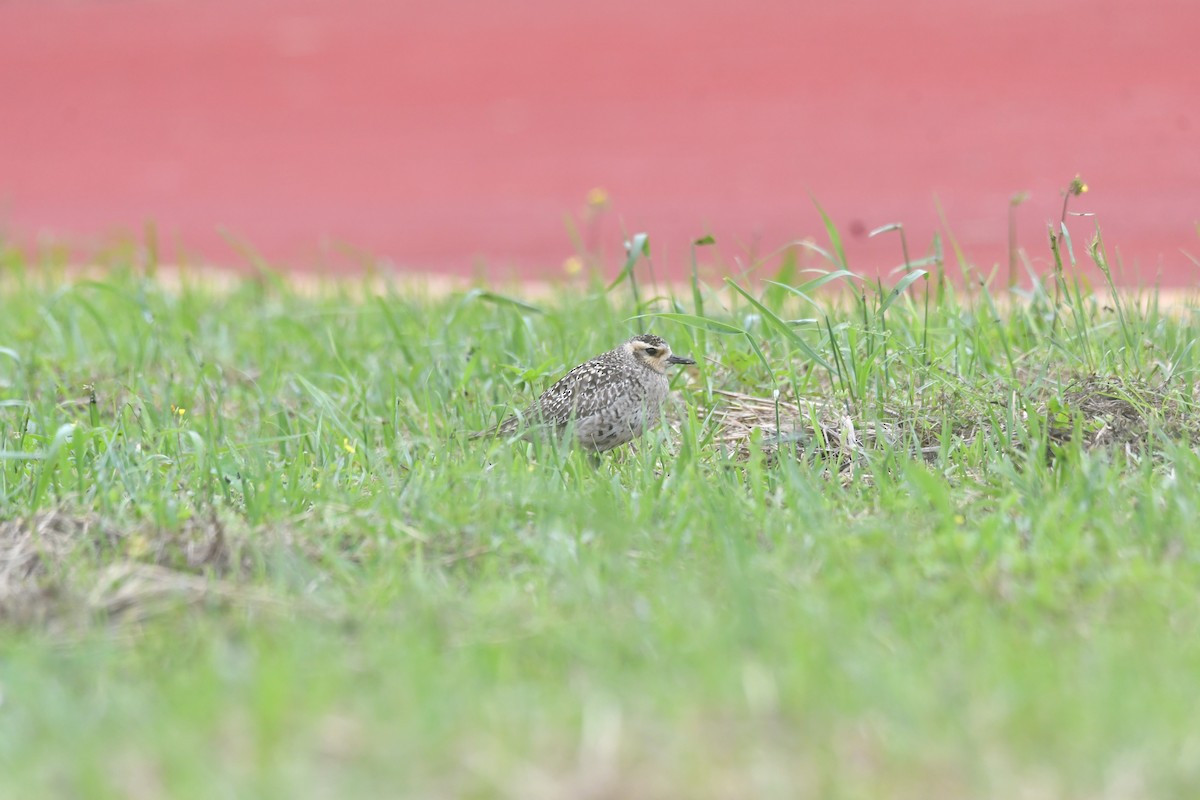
column 584, row 391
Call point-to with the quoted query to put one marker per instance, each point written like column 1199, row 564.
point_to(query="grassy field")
column 897, row 540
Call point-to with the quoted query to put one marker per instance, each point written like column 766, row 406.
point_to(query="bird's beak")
column 674, row 359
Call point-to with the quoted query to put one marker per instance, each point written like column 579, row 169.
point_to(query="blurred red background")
column 445, row 136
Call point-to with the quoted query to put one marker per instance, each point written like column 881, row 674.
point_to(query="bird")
column 607, row 401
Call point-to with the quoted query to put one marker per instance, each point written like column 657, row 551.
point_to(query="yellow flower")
column 178, row 411
column 348, row 446
column 597, row 198
column 573, row 265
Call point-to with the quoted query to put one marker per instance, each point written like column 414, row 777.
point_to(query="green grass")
column 245, row 551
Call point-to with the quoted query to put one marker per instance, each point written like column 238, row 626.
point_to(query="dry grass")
column 59, row 565
column 1114, row 413
column 1125, row 413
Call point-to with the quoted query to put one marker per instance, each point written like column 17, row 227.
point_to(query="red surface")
column 442, row 135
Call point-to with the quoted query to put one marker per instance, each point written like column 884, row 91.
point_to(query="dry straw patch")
column 1112, row 413
column 59, row 564
column 1126, row 414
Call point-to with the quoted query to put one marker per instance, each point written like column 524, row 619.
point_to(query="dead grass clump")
column 808, row 425
column 1109, row 413
column 1121, row 413
column 34, row 554
column 59, row 564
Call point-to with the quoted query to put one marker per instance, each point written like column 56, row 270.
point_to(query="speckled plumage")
column 609, row 400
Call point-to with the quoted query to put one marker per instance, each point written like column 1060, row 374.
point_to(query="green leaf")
column 1067, row 238
column 904, row 283
column 780, row 325
column 50, row 462
column 816, row 248
column 927, row 261
column 761, row 356
column 835, row 238
column 637, row 246
column 704, row 241
column 695, row 321
column 11, row 455
column 503, row 300
column 816, row 283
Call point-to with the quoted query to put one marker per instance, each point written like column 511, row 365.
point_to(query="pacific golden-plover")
column 607, row 401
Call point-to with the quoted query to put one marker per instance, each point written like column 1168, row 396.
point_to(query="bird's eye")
column 651, row 351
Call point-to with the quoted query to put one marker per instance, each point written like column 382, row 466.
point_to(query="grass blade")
column 899, row 288
column 835, row 238
column 783, row 327
column 695, row 321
